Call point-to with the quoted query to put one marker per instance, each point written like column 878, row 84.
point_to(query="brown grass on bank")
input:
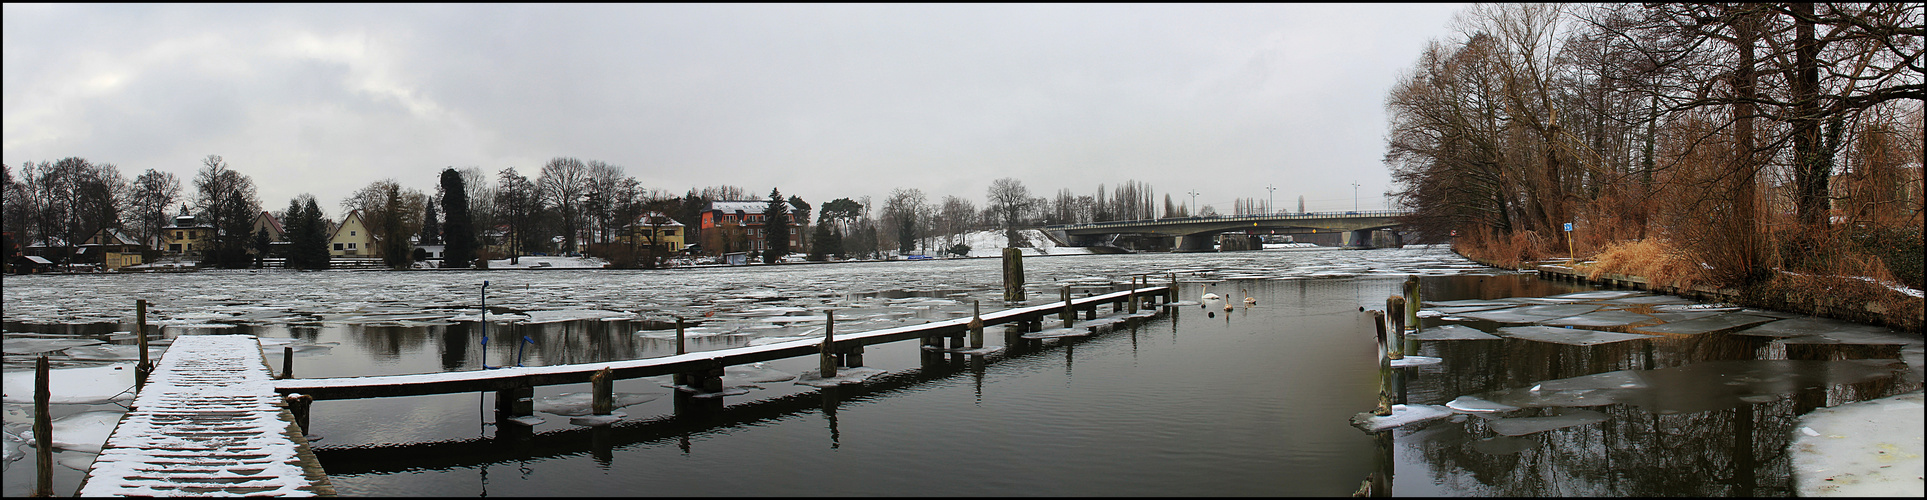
column 1655, row 259
column 1512, row 251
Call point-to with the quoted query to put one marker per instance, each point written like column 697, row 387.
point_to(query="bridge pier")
column 516, row 401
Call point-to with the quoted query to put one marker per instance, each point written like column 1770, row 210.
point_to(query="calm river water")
column 1254, row 401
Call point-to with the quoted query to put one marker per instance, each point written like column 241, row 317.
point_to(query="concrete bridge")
column 1197, row 234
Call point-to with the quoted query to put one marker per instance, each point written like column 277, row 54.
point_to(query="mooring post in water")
column 1013, row 275
column 1384, row 368
column 140, row 333
column 299, row 405
column 1068, row 315
column 602, row 385
column 679, row 338
column 1171, row 292
column 287, row 362
column 484, row 324
column 976, row 324
column 1412, row 301
column 826, row 362
column 43, row 431
column 1395, row 312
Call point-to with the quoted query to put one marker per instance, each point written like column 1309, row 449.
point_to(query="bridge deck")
column 208, row 423
column 513, row 377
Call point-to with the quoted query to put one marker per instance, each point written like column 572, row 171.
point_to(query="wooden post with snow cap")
column 299, row 405
column 1384, row 368
column 602, row 387
column 1395, row 312
column 826, row 362
column 140, row 333
column 287, row 362
column 43, row 431
column 1411, row 302
column 976, row 324
column 1013, row 275
column 679, row 338
column 1068, row 315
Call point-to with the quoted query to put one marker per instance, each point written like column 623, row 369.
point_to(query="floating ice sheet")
column 573, row 314
column 1568, row 336
column 582, row 403
column 1800, row 327
column 1401, row 415
column 1600, row 295
column 598, row 420
column 1452, row 332
column 528, row 420
column 965, row 350
column 1469, row 303
column 85, row 431
column 111, row 352
column 1520, row 426
column 1409, row 361
column 1649, row 299
column 1532, row 314
column 87, row 384
column 1698, row 387
column 754, row 373
column 843, row 376
column 1870, row 448
column 37, row 346
column 1602, row 319
column 1475, row 405
column 1723, row 322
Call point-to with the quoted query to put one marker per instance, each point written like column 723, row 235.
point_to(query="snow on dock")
column 208, row 423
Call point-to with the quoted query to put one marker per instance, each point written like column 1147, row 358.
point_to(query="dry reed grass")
column 1655, row 259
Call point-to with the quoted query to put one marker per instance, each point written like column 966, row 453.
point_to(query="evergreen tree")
column 318, row 234
column 297, row 220
column 431, row 228
column 394, row 242
column 776, row 228
column 820, row 243
column 459, row 232
column 261, row 242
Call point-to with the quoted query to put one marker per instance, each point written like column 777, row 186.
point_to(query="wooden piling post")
column 1130, row 298
column 976, row 324
column 300, row 406
column 680, row 349
column 140, row 334
column 1013, row 275
column 602, row 387
column 1171, row 292
column 1395, row 311
column 43, row 431
column 1412, row 302
column 826, row 362
column 1068, row 315
column 1384, row 368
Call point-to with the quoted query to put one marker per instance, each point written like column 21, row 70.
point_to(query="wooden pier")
column 514, row 386
column 207, row 423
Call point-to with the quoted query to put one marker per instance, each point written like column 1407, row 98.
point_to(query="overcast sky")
column 821, row 101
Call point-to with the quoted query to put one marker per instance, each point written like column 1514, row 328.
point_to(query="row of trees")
column 71, row 198
column 1753, row 136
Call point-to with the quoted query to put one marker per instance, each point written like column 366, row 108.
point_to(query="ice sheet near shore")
column 1401, row 415
column 1869, row 448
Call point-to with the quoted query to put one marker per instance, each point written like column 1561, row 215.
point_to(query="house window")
column 351, row 233
column 174, row 247
column 190, row 247
column 351, row 246
column 177, row 235
column 337, row 246
column 668, row 232
column 190, row 234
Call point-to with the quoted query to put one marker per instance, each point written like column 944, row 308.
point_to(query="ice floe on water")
column 1864, row 449
column 84, row 384
column 561, row 315
column 1530, row 314
column 598, row 420
column 1568, row 336
column 1475, row 405
column 1452, row 332
column 85, row 431
column 1697, row 387
column 856, row 375
column 1409, row 361
column 1401, row 415
column 1600, row 319
column 582, row 403
column 1720, row 323
column 10, row 444
column 41, row 345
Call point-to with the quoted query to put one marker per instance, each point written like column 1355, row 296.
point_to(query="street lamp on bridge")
column 1271, row 195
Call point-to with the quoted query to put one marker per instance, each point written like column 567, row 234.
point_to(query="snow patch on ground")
column 550, row 262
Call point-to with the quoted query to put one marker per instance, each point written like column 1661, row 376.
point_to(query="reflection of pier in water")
column 692, row 416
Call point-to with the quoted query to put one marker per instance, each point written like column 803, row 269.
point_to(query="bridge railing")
column 1232, row 218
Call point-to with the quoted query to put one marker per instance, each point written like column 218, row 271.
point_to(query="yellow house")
column 666, row 231
column 186, row 236
column 111, row 248
column 351, row 238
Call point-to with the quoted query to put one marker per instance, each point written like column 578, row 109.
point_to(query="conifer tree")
column 459, row 232
column 776, row 228
column 318, row 234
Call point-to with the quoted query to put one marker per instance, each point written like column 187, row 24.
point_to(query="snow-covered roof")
column 667, row 220
column 754, row 207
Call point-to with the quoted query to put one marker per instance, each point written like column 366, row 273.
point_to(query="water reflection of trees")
column 1736, row 451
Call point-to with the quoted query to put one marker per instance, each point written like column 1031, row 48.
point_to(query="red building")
column 737, row 226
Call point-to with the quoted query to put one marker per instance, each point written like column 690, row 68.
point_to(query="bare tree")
column 564, row 182
column 1011, row 201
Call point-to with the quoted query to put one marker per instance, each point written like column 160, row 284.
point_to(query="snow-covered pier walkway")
column 514, row 385
column 208, row 423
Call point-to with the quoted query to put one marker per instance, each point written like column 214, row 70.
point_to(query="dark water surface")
column 1255, row 401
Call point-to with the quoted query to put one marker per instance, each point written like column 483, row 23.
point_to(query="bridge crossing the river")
column 1196, row 233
